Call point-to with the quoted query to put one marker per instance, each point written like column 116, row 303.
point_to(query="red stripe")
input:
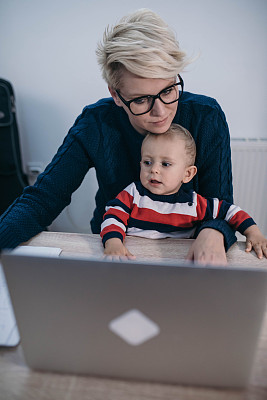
column 125, row 198
column 145, row 214
column 112, row 228
column 201, row 207
column 238, row 218
column 122, row 215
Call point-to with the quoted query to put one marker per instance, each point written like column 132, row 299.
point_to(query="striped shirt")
column 138, row 212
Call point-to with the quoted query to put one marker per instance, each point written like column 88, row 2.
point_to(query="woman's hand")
column 115, row 249
column 208, row 248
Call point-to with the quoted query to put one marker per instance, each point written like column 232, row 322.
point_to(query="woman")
column 142, row 64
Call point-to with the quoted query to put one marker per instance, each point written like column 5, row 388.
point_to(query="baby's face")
column 163, row 164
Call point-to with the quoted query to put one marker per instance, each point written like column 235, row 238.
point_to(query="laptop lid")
column 175, row 323
column 9, row 335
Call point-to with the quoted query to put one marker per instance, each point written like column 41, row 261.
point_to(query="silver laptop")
column 174, row 323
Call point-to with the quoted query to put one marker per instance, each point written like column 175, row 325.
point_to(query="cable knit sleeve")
column 204, row 118
column 214, row 167
column 41, row 203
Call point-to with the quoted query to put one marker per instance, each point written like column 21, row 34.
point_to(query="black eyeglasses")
column 143, row 104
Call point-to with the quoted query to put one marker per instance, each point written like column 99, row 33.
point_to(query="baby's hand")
column 256, row 240
column 115, row 247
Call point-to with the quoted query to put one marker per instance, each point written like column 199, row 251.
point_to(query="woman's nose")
column 158, row 108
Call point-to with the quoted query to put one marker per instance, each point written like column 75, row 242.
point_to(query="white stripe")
column 163, row 207
column 215, row 207
column 115, row 208
column 151, row 234
column 112, row 221
column 131, row 189
column 231, row 212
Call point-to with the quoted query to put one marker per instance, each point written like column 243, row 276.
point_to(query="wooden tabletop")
column 18, row 382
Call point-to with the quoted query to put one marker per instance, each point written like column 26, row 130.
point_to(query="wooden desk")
column 18, row 382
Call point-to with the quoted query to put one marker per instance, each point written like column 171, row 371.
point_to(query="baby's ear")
column 190, row 172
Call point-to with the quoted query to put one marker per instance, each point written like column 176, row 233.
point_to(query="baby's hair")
column 142, row 43
column 178, row 131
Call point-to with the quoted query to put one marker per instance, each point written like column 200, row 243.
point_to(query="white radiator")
column 249, row 163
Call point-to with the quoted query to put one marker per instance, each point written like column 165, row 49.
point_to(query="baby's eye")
column 166, row 164
column 147, row 162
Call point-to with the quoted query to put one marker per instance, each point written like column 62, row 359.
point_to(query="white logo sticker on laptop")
column 134, row 327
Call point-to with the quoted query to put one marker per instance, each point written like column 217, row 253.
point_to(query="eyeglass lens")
column 144, row 104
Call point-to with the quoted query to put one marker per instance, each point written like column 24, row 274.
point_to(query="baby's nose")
column 155, row 168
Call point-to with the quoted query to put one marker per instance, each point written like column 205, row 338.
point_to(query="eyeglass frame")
column 154, row 97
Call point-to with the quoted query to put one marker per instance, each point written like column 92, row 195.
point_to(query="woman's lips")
column 159, row 123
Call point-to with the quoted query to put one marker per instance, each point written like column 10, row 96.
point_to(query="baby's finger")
column 248, row 246
column 122, row 258
column 130, row 255
column 258, row 250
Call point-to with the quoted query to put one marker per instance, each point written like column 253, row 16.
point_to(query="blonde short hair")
column 179, row 132
column 143, row 44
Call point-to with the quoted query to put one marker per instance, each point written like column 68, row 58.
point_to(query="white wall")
column 47, row 51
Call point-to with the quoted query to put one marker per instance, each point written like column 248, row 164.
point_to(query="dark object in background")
column 12, row 177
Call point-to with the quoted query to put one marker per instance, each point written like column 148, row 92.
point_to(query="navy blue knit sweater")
column 102, row 137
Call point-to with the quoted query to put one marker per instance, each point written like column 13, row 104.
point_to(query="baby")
column 157, row 207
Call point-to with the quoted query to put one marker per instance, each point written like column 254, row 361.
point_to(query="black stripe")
column 179, row 197
column 111, row 235
column 163, row 228
column 209, row 210
column 118, row 203
column 245, row 224
column 224, row 209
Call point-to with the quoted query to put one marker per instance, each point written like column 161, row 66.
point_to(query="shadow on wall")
column 77, row 216
column 39, row 141
column 43, row 124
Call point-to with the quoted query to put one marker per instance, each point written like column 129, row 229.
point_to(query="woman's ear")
column 190, row 172
column 116, row 98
